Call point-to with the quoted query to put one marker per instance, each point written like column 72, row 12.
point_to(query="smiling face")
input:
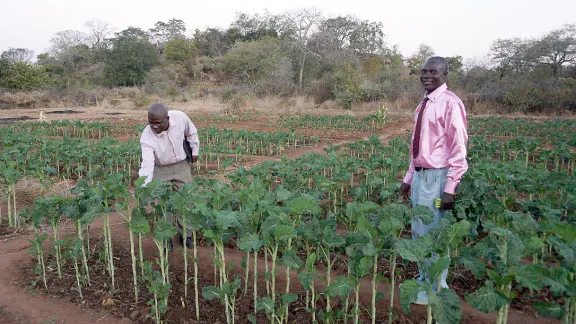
column 433, row 75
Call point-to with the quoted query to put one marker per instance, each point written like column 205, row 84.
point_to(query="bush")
column 24, row 76
column 531, row 96
column 129, row 61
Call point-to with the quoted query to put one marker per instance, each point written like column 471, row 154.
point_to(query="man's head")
column 158, row 117
column 433, row 73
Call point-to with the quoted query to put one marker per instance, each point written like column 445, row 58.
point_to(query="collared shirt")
column 167, row 147
column 443, row 137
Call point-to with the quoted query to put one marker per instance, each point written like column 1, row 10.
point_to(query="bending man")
column 163, row 154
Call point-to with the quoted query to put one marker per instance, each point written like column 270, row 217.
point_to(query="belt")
column 418, row 169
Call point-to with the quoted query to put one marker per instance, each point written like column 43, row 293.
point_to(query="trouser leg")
column 426, row 186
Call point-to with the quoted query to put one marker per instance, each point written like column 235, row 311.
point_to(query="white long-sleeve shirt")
column 166, row 148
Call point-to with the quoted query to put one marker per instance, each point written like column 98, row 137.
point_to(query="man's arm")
column 147, row 165
column 456, row 141
column 191, row 134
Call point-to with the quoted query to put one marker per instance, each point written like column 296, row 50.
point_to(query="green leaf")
column 438, row 266
column 486, row 299
column 408, row 294
column 227, row 219
column 456, row 232
column 379, row 295
column 252, row 318
column 212, row 292
column 341, row 286
column 445, row 307
column 414, row 250
column 290, row 259
column 304, row 204
column 284, row 232
column 265, row 304
column 282, row 194
column 139, row 224
column 364, row 267
column 528, row 276
column 164, row 230
column 289, row 298
column 366, row 228
column 475, row 265
column 250, row 242
column 306, row 280
column 423, row 213
column 390, row 226
column 549, row 309
column 331, row 239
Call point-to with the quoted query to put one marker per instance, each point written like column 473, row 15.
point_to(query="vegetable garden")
column 321, row 238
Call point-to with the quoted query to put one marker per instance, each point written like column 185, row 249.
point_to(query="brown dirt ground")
column 21, row 303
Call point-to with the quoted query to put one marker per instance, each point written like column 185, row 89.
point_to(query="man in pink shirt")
column 437, row 152
column 163, row 154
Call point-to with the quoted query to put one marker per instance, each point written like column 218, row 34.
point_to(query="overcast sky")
column 451, row 27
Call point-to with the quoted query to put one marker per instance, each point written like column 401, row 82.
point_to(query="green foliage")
column 445, row 306
column 180, row 51
column 23, row 76
column 129, row 60
column 347, row 85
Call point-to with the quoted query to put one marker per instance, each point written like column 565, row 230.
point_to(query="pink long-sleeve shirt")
column 443, row 137
column 166, row 148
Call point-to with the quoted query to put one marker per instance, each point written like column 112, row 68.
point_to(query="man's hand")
column 447, row 201
column 405, row 190
column 194, row 159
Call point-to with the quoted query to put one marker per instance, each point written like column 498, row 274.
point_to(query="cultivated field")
column 295, row 218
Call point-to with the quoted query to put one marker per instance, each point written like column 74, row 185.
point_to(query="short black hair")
column 157, row 109
column 442, row 61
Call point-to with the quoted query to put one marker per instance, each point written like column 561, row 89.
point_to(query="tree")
column 557, row 48
column 511, row 55
column 70, row 47
column 164, row 32
column 367, row 38
column 455, row 64
column 180, row 51
column 415, row 62
column 23, row 76
column 255, row 27
column 211, row 42
column 130, row 59
column 133, row 32
column 259, row 64
column 99, row 32
column 299, row 26
column 14, row 55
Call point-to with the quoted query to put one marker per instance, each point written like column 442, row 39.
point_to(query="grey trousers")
column 426, row 186
column 178, row 174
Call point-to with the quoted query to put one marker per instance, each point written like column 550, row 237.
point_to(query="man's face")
column 158, row 123
column 432, row 76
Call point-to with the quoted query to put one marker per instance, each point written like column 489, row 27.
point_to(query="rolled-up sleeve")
column 456, row 141
column 147, row 166
column 191, row 134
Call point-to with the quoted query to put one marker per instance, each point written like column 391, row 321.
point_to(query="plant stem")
column 78, row 277
column 255, row 274
column 84, row 259
column 57, row 247
column 392, row 287
column 247, row 273
column 196, row 277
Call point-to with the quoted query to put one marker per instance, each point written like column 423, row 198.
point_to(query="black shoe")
column 170, row 246
column 189, row 243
